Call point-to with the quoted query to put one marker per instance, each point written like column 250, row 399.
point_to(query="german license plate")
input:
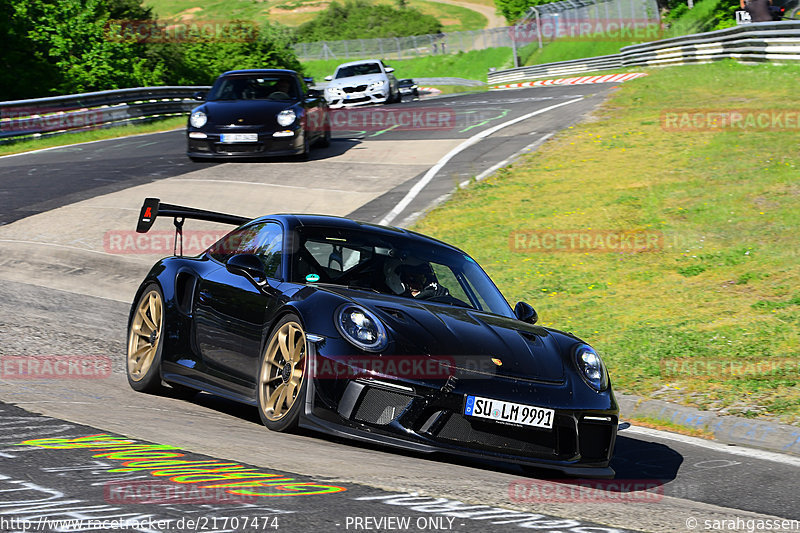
column 515, row 413
column 239, row 137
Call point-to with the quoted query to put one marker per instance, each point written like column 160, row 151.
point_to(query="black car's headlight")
column 198, row 119
column 286, row 117
column 361, row 328
column 591, row 367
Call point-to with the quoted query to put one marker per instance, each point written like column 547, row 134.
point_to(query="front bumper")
column 267, row 144
column 427, row 416
column 354, row 98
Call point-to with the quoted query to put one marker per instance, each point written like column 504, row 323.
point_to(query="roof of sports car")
column 330, row 221
column 259, row 71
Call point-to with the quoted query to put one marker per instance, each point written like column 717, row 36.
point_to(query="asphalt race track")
column 70, row 265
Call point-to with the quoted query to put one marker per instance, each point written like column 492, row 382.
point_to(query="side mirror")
column 525, row 313
column 249, row 266
column 328, row 78
column 389, row 70
column 199, row 95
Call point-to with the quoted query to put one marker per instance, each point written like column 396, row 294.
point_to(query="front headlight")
column 376, row 85
column 286, row 117
column 361, row 328
column 591, row 367
column 198, row 119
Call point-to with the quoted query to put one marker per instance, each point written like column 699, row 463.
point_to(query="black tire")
column 282, row 383
column 306, row 153
column 325, row 140
column 143, row 362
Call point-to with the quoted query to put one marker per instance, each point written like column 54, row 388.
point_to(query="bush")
column 360, row 19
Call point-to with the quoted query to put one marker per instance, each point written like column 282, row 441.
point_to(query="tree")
column 360, row 19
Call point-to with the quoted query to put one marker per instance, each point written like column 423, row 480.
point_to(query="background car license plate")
column 239, row 137
column 516, row 413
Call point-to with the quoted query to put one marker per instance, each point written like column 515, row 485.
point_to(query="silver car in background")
column 362, row 82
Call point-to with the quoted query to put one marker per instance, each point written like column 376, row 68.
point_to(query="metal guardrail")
column 750, row 43
column 449, row 81
column 561, row 68
column 49, row 116
column 755, row 42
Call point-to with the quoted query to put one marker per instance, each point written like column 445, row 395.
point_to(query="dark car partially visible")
column 408, row 88
column 257, row 113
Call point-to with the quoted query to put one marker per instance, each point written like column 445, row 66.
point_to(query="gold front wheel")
column 281, row 380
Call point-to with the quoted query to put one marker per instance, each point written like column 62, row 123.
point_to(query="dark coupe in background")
column 257, row 113
column 370, row 332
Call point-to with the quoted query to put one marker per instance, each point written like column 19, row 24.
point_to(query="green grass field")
column 296, row 12
column 472, row 65
column 722, row 291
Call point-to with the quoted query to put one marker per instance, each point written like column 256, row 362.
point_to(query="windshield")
column 255, row 87
column 358, row 70
column 400, row 266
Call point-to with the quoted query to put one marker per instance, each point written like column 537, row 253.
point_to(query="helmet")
column 409, row 273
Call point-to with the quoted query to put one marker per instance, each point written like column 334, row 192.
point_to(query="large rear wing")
column 152, row 208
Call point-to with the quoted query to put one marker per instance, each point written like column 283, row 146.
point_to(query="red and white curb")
column 430, row 90
column 608, row 78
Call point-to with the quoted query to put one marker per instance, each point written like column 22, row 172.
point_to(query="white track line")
column 489, row 171
column 429, row 175
column 752, row 453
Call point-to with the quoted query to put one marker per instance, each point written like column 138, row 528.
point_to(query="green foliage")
column 512, row 10
column 706, row 15
column 360, row 19
column 72, row 46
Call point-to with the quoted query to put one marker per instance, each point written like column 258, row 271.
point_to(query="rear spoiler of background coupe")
column 152, row 208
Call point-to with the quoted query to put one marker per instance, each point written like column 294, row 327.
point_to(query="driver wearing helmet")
column 419, row 281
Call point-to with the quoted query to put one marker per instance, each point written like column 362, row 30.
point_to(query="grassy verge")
column 453, row 18
column 715, row 312
column 94, row 135
column 564, row 50
column 458, row 89
column 472, row 65
column 666, row 425
column 295, row 12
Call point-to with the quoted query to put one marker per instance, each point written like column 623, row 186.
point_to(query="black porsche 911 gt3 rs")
column 370, row 332
column 257, row 113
